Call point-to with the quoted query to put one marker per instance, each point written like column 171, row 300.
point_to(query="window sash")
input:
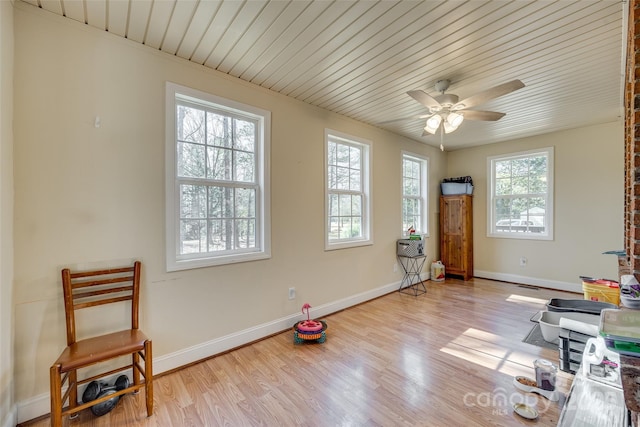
column 209, row 218
column 202, row 229
column 412, row 214
column 217, row 180
column 347, row 192
column 521, row 195
column 345, row 182
column 414, row 194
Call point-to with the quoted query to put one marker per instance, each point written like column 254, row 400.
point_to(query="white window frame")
column 422, row 227
column 492, row 229
column 262, row 250
column 365, row 179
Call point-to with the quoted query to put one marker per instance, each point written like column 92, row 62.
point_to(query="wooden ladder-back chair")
column 85, row 289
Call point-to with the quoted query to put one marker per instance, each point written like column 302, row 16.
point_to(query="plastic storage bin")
column 620, row 331
column 622, row 335
column 601, row 290
column 571, row 347
column 550, row 323
column 578, row 306
column 454, row 188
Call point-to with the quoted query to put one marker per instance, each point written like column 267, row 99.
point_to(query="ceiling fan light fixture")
column 446, row 112
column 455, row 119
column 448, row 128
column 433, row 123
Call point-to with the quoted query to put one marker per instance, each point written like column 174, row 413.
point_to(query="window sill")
column 347, row 244
column 188, row 264
column 520, row 236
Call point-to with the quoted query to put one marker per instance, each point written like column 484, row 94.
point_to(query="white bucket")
column 437, row 271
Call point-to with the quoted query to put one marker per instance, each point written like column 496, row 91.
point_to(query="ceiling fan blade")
column 424, row 98
column 490, row 116
column 489, row 94
column 404, row 119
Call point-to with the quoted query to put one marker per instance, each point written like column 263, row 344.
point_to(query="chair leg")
column 148, row 377
column 73, row 393
column 135, row 359
column 56, row 396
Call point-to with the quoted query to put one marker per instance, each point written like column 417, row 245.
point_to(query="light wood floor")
column 444, row 358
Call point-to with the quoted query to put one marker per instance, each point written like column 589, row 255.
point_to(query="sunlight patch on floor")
column 482, row 335
column 482, row 348
column 524, row 299
column 478, row 358
column 490, row 347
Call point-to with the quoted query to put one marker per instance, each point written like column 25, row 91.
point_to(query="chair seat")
column 92, row 350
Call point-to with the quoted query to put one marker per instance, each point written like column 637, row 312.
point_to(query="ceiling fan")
column 446, row 111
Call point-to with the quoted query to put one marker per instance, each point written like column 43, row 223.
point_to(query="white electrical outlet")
column 395, row 267
column 523, row 261
column 292, row 293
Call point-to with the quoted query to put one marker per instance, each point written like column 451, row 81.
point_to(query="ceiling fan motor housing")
column 447, row 99
column 442, row 85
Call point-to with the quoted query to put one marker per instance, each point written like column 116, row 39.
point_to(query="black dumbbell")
column 96, row 390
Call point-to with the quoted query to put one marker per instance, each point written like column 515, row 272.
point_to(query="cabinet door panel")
column 456, row 235
column 453, row 220
column 452, row 255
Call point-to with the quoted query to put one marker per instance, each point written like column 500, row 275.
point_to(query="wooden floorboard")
column 444, row 358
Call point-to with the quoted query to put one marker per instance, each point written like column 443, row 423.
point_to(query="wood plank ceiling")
column 359, row 58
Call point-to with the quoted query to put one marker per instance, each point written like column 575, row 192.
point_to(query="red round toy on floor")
column 310, row 329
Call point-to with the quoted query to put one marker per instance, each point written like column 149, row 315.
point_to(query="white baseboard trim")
column 9, row 420
column 33, row 407
column 533, row 281
column 39, row 405
column 219, row 345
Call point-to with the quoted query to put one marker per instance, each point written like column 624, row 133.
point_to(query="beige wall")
column 7, row 412
column 93, row 196
column 588, row 205
column 89, row 196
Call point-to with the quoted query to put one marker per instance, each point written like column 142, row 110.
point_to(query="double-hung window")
column 414, row 194
column 521, row 195
column 348, row 198
column 217, row 198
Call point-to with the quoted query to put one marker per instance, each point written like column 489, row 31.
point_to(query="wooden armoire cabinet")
column 456, row 235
